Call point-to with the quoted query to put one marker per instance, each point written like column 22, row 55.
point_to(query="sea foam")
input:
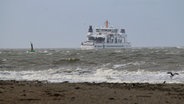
column 97, row 76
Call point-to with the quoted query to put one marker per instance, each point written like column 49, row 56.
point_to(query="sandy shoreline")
column 24, row 92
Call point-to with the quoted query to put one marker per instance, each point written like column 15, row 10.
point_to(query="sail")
column 32, row 49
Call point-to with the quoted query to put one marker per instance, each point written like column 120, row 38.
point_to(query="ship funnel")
column 122, row 30
column 106, row 24
column 90, row 29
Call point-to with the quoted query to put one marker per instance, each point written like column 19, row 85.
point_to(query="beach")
column 42, row 92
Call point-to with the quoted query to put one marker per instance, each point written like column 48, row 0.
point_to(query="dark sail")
column 32, row 49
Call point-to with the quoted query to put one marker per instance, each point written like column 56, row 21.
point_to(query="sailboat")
column 32, row 49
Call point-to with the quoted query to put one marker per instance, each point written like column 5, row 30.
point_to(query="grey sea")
column 132, row 65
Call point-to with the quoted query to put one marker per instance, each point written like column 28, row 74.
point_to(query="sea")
column 131, row 65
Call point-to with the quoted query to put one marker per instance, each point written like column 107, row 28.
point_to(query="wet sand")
column 35, row 92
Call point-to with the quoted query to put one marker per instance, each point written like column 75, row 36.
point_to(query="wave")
column 97, row 76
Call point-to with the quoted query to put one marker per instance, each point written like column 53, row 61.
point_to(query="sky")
column 64, row 23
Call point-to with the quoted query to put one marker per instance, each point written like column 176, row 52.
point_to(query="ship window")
column 100, row 40
column 115, row 30
column 116, row 40
column 91, row 38
column 122, row 30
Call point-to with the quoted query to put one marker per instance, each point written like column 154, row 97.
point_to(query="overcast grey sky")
column 64, row 23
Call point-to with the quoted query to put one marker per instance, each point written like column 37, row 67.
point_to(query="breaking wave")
column 97, row 76
column 142, row 65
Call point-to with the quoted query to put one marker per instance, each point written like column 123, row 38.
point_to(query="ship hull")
column 104, row 46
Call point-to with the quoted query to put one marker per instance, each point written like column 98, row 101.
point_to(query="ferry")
column 105, row 37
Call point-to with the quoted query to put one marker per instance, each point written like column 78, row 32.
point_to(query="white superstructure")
column 105, row 37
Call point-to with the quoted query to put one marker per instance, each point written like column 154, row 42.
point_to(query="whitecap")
column 98, row 75
column 119, row 65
